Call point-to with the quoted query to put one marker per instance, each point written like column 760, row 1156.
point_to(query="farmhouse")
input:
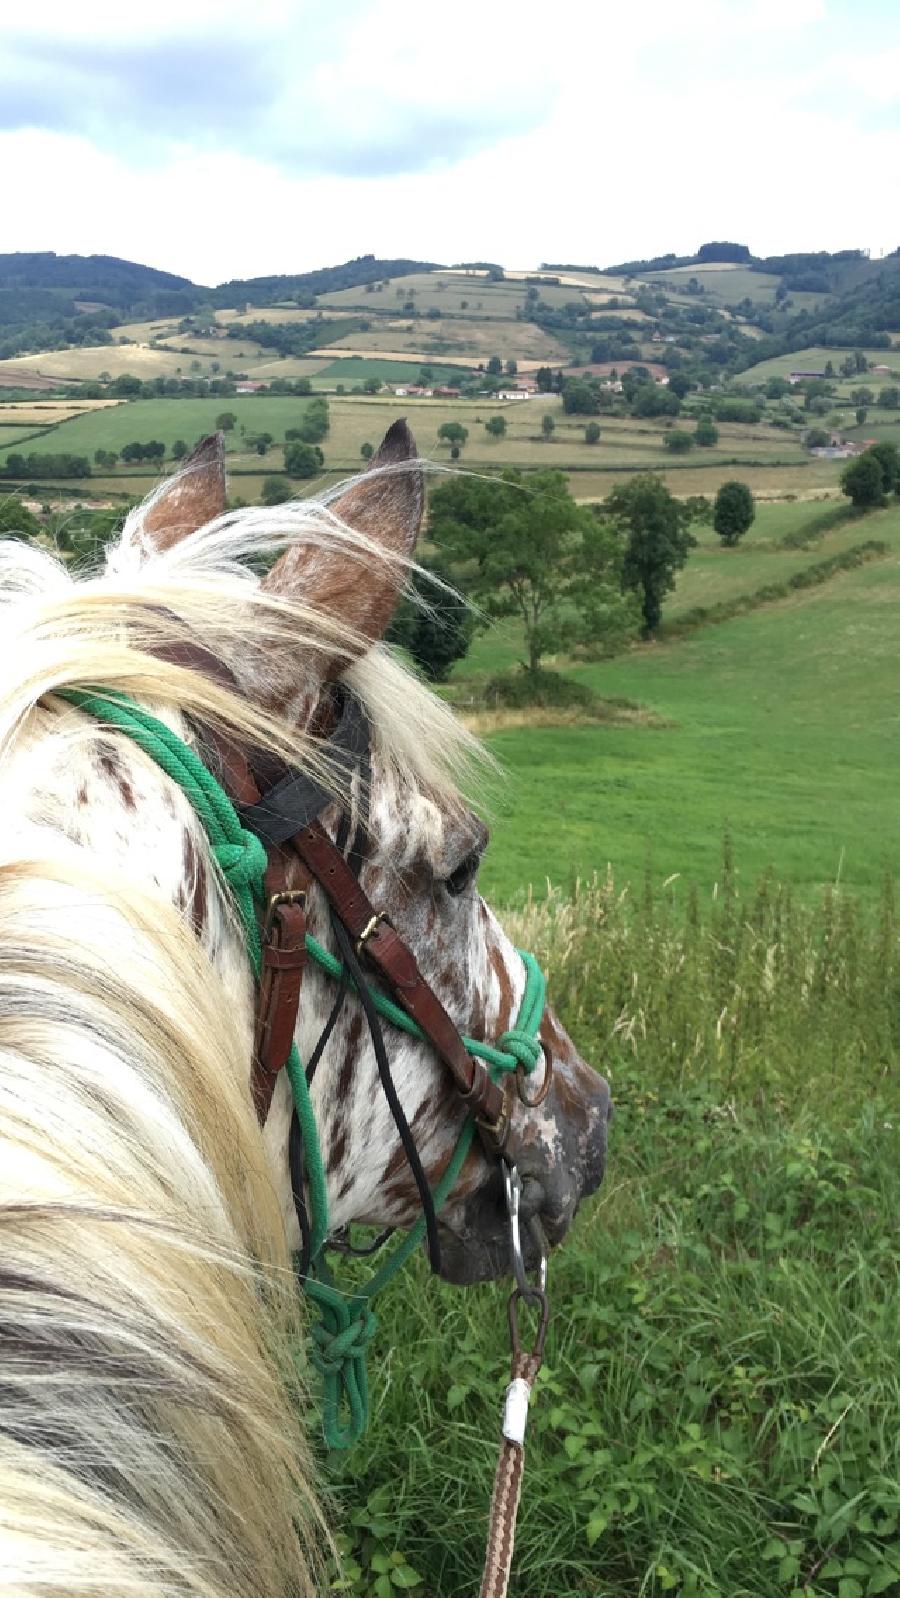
column 249, row 387
column 799, row 377
column 413, row 391
column 513, row 393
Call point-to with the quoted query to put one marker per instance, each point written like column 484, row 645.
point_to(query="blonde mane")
column 148, row 1435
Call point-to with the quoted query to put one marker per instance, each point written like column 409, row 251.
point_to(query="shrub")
column 679, row 441
column 303, row 460
column 862, row 480
column 592, row 433
column 517, row 690
column 706, row 434
column 733, row 512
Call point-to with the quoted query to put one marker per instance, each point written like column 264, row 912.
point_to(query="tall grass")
column 720, row 1411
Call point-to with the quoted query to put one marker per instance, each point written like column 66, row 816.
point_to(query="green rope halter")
column 346, row 1324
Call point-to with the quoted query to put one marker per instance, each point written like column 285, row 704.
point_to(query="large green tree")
column 733, row 511
column 522, row 547
column 654, row 529
column 862, row 481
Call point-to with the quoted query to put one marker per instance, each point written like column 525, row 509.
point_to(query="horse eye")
column 465, row 872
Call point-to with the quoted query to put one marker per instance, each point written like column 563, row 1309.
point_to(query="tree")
column 861, row 414
column 544, row 379
column 777, row 387
column 889, row 397
column 679, row 384
column 260, row 442
column 366, row 451
column 179, row 449
column 302, row 460
column 581, row 398
column 706, row 434
column 652, row 399
column 592, row 433
column 275, row 491
column 679, row 441
column 453, row 433
column 495, row 366
column 495, row 426
column 733, row 512
column 654, row 528
column 548, row 426
column 16, row 520
column 816, row 438
column 862, row 481
column 226, row 422
column 511, row 368
column 433, row 624
column 372, row 385
column 888, row 458
column 529, row 551
column 862, row 396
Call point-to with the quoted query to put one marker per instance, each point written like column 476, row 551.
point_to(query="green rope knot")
column 525, row 1049
column 243, row 863
column 335, row 1349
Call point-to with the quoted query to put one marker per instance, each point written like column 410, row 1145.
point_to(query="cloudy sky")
column 221, row 139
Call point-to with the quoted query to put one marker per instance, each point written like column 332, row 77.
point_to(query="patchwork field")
column 460, row 336
column 444, row 291
column 721, row 281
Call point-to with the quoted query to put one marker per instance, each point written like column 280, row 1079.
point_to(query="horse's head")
column 419, row 866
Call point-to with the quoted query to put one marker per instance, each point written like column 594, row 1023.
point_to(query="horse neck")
column 149, row 1444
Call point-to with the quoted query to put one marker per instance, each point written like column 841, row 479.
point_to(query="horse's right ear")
column 386, row 504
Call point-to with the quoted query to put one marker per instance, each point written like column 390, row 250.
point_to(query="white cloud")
column 589, row 135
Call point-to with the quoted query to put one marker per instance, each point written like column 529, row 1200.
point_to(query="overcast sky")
column 221, row 139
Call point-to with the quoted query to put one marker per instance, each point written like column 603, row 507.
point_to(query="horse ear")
column 385, row 504
column 190, row 499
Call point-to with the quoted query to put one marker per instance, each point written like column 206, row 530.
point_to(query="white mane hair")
column 148, row 1433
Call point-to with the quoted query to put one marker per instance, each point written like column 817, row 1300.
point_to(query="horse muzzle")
column 561, row 1158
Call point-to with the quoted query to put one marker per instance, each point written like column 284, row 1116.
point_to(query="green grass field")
column 814, row 359
column 446, row 292
column 719, row 1411
column 356, row 367
column 728, row 284
column 781, row 722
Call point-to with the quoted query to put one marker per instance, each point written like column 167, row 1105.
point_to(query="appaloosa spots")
column 111, row 765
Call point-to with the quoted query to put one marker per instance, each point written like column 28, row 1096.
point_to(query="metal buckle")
column 371, row 927
column 287, row 896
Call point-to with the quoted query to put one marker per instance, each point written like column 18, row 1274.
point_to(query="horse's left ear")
column 387, row 505
column 190, row 499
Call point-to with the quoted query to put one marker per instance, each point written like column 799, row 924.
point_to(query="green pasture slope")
column 719, row 1413
column 782, row 723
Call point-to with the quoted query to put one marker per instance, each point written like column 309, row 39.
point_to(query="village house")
column 513, row 394
column 800, row 377
column 250, row 387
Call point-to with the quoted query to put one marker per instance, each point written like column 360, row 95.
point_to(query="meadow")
column 780, row 723
column 814, row 359
column 446, row 292
column 719, row 1413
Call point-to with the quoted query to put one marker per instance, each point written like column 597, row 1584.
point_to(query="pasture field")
column 719, row 1411
column 87, row 361
column 462, row 336
column 720, row 281
column 355, row 368
column 814, row 358
column 781, row 723
column 46, row 413
column 444, row 291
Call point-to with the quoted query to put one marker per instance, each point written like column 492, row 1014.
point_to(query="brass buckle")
column 287, row 896
column 371, row 927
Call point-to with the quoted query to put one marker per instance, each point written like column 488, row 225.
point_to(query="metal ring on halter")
column 513, row 1188
column 544, row 1089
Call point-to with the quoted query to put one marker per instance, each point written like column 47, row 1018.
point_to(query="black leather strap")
column 298, row 798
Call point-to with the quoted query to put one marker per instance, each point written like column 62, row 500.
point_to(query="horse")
column 151, row 1437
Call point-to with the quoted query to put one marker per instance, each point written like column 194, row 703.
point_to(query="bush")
column 303, row 460
column 517, row 690
column 592, row 433
column 733, row 512
column 275, row 491
column 706, row 434
column 678, row 441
